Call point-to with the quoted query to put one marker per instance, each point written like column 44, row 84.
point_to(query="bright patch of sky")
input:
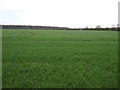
column 64, row 13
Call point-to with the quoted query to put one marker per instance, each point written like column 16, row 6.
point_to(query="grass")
column 60, row 59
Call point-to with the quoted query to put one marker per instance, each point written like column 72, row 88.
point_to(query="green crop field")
column 59, row 59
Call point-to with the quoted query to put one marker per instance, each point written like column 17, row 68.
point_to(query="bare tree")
column 98, row 26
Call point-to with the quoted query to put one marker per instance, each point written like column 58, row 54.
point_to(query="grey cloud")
column 119, row 12
column 9, row 16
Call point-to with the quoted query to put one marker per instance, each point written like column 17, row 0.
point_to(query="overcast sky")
column 65, row 13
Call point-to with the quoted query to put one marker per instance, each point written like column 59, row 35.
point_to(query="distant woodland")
column 54, row 28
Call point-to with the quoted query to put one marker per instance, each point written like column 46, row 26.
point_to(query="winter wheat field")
column 59, row 59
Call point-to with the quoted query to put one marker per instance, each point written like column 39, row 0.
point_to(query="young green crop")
column 60, row 59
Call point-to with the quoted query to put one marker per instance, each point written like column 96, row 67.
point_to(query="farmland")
column 59, row 59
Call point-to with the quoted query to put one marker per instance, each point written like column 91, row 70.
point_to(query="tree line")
column 55, row 28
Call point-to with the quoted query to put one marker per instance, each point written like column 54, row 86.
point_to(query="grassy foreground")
column 59, row 58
